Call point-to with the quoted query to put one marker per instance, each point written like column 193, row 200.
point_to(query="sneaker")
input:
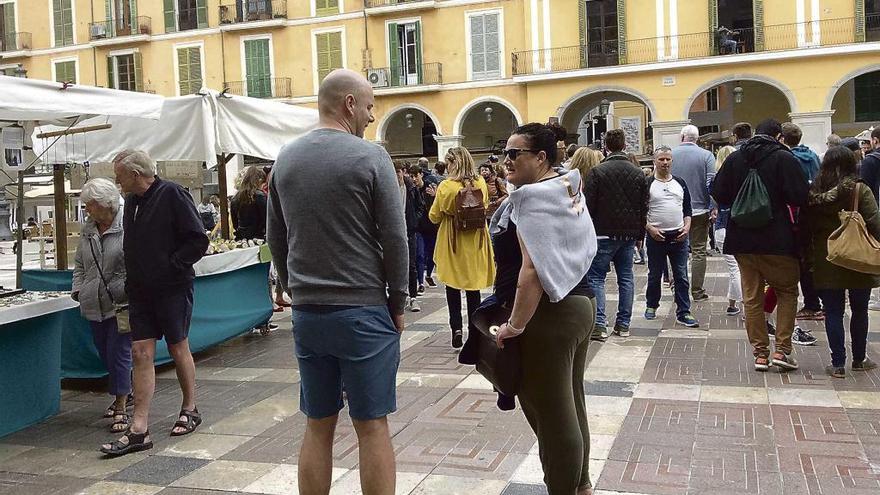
column 810, row 314
column 836, row 372
column 421, row 289
column 413, row 305
column 874, row 305
column 457, row 339
column 865, row 365
column 771, row 330
column 762, row 364
column 650, row 313
column 702, row 296
column 621, row 331
column 430, row 282
column 800, row 337
column 784, row 361
column 732, row 311
column 638, row 261
column 600, row 333
column 688, row 320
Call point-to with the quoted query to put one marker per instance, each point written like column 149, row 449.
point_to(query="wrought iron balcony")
column 779, row 37
column 15, row 42
column 401, row 76
column 261, row 87
column 121, row 27
column 238, row 11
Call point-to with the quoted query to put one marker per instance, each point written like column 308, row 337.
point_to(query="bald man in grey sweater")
column 337, row 234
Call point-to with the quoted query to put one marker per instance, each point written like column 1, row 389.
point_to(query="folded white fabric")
column 552, row 220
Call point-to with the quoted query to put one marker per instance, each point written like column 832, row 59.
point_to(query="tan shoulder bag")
column 851, row 245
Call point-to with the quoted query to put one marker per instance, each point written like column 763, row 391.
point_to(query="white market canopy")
column 196, row 128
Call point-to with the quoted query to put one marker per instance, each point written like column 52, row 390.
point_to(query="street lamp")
column 409, row 120
column 738, row 94
column 604, row 105
column 488, row 111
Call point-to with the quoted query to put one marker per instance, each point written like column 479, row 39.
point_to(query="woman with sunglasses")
column 463, row 258
column 545, row 241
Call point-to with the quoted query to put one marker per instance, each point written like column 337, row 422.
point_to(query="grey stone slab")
column 193, row 491
column 524, row 489
column 159, row 470
column 608, row 389
column 30, row 484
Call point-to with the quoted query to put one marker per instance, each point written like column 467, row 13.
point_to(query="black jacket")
column 617, row 198
column 164, row 237
column 249, row 220
column 870, row 172
column 786, row 185
column 415, row 206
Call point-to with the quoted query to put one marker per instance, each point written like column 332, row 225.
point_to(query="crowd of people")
column 542, row 225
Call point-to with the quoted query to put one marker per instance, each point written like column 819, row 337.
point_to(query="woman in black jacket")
column 249, row 206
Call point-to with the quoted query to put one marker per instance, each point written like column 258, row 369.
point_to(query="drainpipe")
column 94, row 50
column 367, row 54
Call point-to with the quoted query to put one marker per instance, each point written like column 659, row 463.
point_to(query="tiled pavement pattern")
column 672, row 411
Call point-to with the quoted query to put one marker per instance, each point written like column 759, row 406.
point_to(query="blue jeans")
column 114, row 348
column 677, row 252
column 835, row 305
column 621, row 254
column 425, row 255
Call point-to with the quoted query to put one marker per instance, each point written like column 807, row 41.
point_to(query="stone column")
column 444, row 143
column 816, row 127
column 668, row 132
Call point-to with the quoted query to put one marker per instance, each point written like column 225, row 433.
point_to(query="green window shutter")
column 134, row 17
column 713, row 25
column 9, row 42
column 322, row 47
column 65, row 72
column 111, row 73
column 66, row 22
column 759, row 25
column 394, row 54
column 259, row 83
column 58, row 22
column 335, row 50
column 860, row 20
column 326, row 7
column 138, row 72
column 202, row 13
column 582, row 34
column 170, row 17
column 419, row 68
column 621, row 31
column 183, row 76
column 189, row 66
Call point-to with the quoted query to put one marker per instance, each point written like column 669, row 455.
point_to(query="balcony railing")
column 400, row 76
column 872, row 27
column 261, row 87
column 371, row 4
column 235, row 11
column 827, row 32
column 117, row 28
column 14, row 42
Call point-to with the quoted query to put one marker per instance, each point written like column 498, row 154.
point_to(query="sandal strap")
column 133, row 439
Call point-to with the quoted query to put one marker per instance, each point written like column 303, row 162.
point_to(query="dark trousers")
column 412, row 244
column 834, row 301
column 453, row 300
column 677, row 253
column 808, row 290
column 114, row 349
column 425, row 257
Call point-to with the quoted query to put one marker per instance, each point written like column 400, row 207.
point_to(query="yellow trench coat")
column 472, row 265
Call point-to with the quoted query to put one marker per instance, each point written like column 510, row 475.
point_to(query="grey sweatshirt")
column 335, row 222
column 696, row 166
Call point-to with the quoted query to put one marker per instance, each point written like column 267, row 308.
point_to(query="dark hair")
column 440, row 167
column 876, row 133
column 850, row 143
column 571, row 149
column 769, row 127
column 615, row 140
column 400, row 165
column 415, row 170
column 742, row 130
column 558, row 131
column 539, row 137
column 791, row 134
column 838, row 162
column 489, row 166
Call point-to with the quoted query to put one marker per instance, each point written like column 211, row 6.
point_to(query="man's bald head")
column 346, row 98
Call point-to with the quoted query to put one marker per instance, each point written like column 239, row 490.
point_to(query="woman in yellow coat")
column 464, row 258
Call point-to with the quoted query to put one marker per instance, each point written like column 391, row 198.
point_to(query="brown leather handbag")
column 851, row 245
column 501, row 367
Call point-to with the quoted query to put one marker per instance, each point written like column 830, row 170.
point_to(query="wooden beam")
column 78, row 130
column 222, row 160
column 60, row 217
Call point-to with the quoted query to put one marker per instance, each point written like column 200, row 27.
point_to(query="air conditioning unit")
column 98, row 31
column 378, row 77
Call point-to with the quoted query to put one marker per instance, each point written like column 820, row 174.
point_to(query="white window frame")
column 5, row 67
column 313, row 4
column 314, row 33
column 408, row 20
column 256, row 37
column 52, row 21
column 75, row 61
column 193, row 44
column 502, row 68
column 113, row 54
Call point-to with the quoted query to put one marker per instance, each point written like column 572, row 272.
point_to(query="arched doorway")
column 485, row 124
column 588, row 115
column 856, row 103
column 408, row 132
column 715, row 110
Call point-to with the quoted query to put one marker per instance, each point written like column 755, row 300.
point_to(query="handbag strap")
column 855, row 206
column 101, row 272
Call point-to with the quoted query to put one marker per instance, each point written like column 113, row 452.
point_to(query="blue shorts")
column 165, row 314
column 356, row 349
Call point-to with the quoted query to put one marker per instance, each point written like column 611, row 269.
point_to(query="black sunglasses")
column 512, row 153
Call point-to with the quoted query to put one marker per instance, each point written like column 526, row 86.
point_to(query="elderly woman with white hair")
column 99, row 285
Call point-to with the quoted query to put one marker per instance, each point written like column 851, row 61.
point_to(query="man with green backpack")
column 761, row 180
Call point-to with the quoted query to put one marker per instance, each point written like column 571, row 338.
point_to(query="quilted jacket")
column 617, row 198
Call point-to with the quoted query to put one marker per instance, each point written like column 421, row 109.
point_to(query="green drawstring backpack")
column 751, row 208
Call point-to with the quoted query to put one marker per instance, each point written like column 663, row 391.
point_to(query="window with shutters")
column 122, row 16
column 8, row 41
column 183, row 15
column 405, row 53
column 62, row 22
column 328, row 53
column 125, row 72
column 867, row 97
column 326, row 7
column 484, row 35
column 65, row 71
column 712, row 102
column 258, row 68
column 189, row 70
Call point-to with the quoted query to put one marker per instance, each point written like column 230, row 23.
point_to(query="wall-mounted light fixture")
column 409, row 120
column 604, row 106
column 488, row 111
column 738, row 94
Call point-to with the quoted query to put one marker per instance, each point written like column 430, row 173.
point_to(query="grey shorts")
column 356, row 349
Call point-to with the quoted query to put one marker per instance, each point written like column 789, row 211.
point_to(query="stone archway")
column 733, row 78
column 408, row 131
column 854, row 101
column 588, row 114
column 485, row 121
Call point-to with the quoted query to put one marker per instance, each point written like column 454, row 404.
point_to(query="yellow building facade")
column 466, row 72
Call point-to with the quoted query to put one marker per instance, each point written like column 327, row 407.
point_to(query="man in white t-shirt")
column 669, row 221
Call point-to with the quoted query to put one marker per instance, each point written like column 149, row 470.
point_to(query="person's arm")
column 262, row 207
column 78, row 270
column 391, row 225
column 721, row 189
column 528, row 294
column 276, row 233
column 687, row 212
column 436, row 214
column 869, row 211
column 502, row 191
column 192, row 243
column 870, row 173
column 710, row 176
column 590, row 192
column 795, row 188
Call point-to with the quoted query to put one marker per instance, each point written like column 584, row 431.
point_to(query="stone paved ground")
column 672, row 411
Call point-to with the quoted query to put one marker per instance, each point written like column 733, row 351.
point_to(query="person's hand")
column 398, row 322
column 655, row 233
column 504, row 332
column 431, row 190
column 682, row 234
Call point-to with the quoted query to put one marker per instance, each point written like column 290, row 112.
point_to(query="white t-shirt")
column 666, row 205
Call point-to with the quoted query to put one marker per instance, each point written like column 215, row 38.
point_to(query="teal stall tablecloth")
column 30, row 371
column 225, row 305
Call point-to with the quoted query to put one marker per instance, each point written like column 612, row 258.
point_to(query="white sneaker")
column 414, row 305
column 874, row 306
